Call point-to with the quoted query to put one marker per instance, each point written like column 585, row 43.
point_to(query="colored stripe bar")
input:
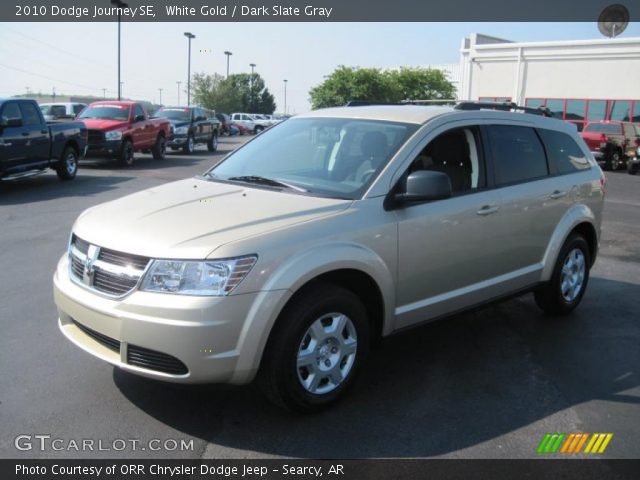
column 567, row 443
column 582, row 440
column 606, row 442
column 556, row 445
column 543, row 443
column 594, row 437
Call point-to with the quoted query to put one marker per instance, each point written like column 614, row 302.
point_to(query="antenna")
column 613, row 20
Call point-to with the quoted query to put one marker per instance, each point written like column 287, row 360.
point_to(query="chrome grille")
column 95, row 136
column 103, row 270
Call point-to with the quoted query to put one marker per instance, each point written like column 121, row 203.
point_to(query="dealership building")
column 577, row 80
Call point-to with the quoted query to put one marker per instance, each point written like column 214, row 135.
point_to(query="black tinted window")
column 11, row 110
column 564, row 153
column 30, row 113
column 517, row 154
column 137, row 110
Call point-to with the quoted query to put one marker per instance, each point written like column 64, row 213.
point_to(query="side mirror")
column 138, row 118
column 425, row 186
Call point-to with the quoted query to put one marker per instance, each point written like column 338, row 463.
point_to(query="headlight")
column 211, row 278
column 181, row 130
column 114, row 135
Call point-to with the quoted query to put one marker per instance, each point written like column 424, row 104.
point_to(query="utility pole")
column 178, row 92
column 160, row 90
column 119, row 4
column 252, row 65
column 228, row 54
column 190, row 36
column 54, row 94
column 285, row 96
column 104, row 93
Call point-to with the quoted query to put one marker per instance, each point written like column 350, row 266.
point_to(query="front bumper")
column 217, row 339
column 106, row 148
column 177, row 141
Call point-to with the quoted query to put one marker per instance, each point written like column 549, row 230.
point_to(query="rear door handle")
column 557, row 194
column 488, row 210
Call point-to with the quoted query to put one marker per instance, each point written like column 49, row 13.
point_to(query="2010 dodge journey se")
column 286, row 260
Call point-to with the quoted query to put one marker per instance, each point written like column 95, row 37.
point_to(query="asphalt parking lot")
column 487, row 384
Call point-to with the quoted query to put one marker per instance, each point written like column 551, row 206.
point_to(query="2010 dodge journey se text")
column 286, row 260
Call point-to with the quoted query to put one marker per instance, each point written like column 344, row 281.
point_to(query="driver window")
column 456, row 153
column 137, row 110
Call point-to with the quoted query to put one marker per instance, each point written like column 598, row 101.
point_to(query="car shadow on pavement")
column 434, row 390
column 44, row 187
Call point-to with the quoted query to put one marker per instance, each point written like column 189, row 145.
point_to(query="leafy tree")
column 237, row 93
column 373, row 84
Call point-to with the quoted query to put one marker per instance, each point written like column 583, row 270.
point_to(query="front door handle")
column 488, row 210
column 557, row 194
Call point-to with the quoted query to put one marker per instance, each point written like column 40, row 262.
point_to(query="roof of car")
column 396, row 113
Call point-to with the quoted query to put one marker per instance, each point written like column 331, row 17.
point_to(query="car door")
column 531, row 201
column 140, row 129
column 36, row 132
column 13, row 150
column 446, row 248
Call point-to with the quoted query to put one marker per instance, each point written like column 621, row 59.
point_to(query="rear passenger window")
column 518, row 155
column 30, row 114
column 564, row 154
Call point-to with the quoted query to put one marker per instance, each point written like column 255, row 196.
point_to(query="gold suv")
column 288, row 258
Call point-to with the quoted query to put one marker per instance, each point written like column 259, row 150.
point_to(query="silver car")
column 286, row 260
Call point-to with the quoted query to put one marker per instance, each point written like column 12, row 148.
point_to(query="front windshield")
column 106, row 112
column 182, row 114
column 333, row 157
column 604, row 128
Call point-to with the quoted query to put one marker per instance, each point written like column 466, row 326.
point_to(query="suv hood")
column 191, row 218
column 103, row 124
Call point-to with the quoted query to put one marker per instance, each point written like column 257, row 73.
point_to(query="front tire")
column 190, row 146
column 316, row 348
column 159, row 150
column 125, row 159
column 568, row 283
column 212, row 144
column 67, row 167
column 258, row 129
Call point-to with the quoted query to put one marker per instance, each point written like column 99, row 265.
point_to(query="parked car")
column 611, row 142
column 292, row 255
column 246, row 121
column 633, row 162
column 240, row 127
column 28, row 145
column 191, row 126
column 118, row 129
column 61, row 111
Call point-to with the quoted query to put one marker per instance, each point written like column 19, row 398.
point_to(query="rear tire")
column 569, row 280
column 159, row 150
column 125, row 158
column 212, row 144
column 316, row 348
column 67, row 167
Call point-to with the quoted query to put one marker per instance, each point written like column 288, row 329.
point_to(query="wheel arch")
column 579, row 219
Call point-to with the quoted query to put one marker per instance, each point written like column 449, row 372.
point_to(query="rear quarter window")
column 518, row 155
column 565, row 156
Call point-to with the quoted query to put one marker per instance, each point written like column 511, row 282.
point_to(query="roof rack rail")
column 366, row 103
column 503, row 106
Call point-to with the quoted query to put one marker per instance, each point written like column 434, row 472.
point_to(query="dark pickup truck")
column 190, row 126
column 29, row 145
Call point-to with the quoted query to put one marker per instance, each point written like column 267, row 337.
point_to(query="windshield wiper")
column 266, row 181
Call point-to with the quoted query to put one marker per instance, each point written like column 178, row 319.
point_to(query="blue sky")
column 80, row 58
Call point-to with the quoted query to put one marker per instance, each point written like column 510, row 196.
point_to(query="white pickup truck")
column 61, row 111
column 252, row 121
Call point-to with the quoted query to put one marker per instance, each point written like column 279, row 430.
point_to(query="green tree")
column 237, row 93
column 375, row 85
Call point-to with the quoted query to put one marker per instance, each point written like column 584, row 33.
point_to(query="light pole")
column 178, row 92
column 252, row 65
column 120, row 90
column 119, row 4
column 104, row 93
column 160, row 90
column 228, row 54
column 189, row 35
column 285, row 95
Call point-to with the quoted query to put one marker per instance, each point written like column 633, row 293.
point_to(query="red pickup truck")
column 118, row 129
column 612, row 142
